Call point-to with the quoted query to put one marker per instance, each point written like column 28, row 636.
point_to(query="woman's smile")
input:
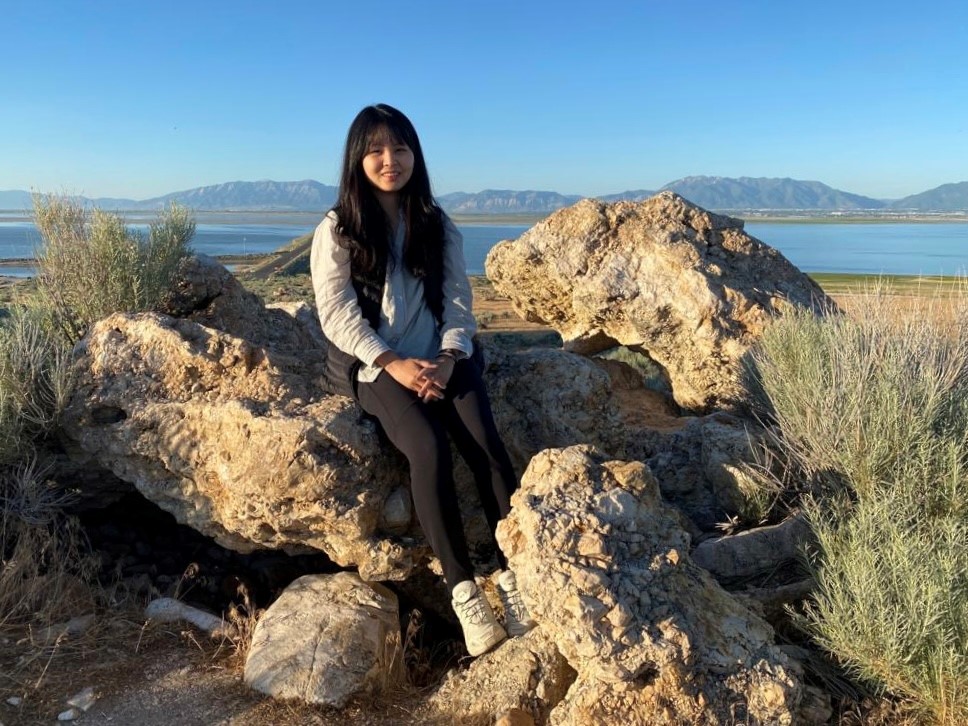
column 388, row 165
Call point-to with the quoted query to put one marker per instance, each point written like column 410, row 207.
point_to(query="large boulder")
column 603, row 566
column 208, row 428
column 325, row 639
column 663, row 276
column 217, row 415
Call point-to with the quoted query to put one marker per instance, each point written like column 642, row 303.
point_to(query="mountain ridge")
column 711, row 192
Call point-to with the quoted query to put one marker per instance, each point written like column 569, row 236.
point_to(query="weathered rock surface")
column 209, row 429
column 525, row 675
column 602, row 564
column 231, row 433
column 662, row 276
column 170, row 610
column 698, row 465
column 754, row 552
column 325, row 639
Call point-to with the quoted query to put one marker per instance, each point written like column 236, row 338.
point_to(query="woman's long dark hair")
column 363, row 227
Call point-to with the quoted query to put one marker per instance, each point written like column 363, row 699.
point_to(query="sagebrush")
column 35, row 382
column 91, row 264
column 872, row 408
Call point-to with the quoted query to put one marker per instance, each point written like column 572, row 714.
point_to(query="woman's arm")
column 339, row 311
column 459, row 325
column 342, row 319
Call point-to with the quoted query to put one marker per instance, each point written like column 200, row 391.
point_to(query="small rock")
column 69, row 715
column 515, row 717
column 397, row 511
column 325, row 639
column 73, row 627
column 167, row 610
column 83, row 699
column 14, row 701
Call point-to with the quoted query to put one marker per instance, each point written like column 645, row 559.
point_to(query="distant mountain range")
column 716, row 193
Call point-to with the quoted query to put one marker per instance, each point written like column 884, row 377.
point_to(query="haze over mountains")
column 716, row 193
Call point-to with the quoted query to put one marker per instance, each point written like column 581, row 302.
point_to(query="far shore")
column 230, row 217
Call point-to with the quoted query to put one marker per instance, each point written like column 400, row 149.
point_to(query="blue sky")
column 137, row 99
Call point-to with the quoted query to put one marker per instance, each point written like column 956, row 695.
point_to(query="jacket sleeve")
column 459, row 325
column 339, row 312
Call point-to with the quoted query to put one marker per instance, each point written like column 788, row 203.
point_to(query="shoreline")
column 256, row 259
column 530, row 218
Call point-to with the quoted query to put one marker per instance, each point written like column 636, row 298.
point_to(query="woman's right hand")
column 411, row 373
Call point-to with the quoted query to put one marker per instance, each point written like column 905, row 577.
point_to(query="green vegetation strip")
column 840, row 283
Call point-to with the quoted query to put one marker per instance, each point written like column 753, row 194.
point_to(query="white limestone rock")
column 325, row 639
column 603, row 565
column 663, row 276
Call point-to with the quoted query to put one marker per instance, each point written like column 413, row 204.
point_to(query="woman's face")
column 387, row 163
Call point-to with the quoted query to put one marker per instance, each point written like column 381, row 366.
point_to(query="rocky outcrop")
column 526, row 676
column 228, row 429
column 699, row 464
column 207, row 427
column 603, row 566
column 325, row 639
column 663, row 276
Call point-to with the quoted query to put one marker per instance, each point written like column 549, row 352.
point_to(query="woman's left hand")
column 436, row 379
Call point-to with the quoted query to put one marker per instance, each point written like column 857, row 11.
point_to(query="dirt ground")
column 170, row 676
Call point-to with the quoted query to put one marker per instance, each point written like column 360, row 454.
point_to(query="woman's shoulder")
column 330, row 220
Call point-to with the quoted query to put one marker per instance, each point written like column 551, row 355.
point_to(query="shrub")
column 872, row 406
column 35, row 382
column 91, row 264
column 857, row 396
column 45, row 565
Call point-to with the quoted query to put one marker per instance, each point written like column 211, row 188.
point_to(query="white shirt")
column 407, row 326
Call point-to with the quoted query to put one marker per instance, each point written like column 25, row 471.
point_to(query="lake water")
column 877, row 248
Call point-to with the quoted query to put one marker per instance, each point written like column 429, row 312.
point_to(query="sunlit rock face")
column 663, row 276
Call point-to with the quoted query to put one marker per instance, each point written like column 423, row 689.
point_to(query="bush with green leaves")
column 872, row 408
column 91, row 264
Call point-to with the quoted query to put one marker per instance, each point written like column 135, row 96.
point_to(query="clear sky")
column 135, row 99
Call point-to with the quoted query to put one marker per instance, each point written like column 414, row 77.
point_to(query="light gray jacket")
column 407, row 326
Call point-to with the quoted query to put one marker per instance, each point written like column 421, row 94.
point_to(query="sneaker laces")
column 473, row 609
column 514, row 603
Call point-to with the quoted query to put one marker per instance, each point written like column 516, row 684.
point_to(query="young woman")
column 392, row 292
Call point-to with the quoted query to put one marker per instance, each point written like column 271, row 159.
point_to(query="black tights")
column 419, row 430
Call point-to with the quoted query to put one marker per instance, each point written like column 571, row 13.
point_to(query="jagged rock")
column 698, row 464
column 547, row 398
column 526, row 676
column 207, row 427
column 232, row 434
column 603, row 565
column 325, row 639
column 661, row 276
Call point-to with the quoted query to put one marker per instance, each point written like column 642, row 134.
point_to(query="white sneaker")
column 482, row 631
column 517, row 620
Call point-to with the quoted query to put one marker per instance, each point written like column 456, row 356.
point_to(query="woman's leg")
column 471, row 423
column 417, row 430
